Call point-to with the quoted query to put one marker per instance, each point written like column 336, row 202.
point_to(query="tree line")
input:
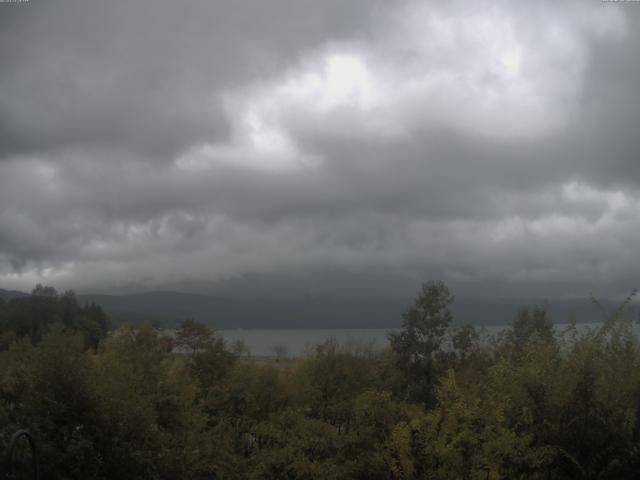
column 441, row 402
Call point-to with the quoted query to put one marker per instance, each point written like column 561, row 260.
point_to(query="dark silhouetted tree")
column 531, row 324
column 193, row 335
column 424, row 326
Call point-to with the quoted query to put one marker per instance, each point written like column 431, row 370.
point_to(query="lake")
column 296, row 342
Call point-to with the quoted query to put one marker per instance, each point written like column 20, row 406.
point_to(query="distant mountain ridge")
column 172, row 307
column 9, row 294
column 169, row 307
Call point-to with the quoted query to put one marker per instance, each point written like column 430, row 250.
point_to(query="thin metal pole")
column 9, row 455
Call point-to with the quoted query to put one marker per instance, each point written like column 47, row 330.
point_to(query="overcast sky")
column 304, row 147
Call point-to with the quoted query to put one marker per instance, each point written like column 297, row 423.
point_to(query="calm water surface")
column 296, row 342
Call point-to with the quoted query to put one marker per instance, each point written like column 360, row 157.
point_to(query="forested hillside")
column 438, row 403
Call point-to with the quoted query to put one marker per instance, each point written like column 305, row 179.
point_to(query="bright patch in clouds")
column 343, row 80
column 263, row 118
column 614, row 201
column 510, row 59
column 479, row 68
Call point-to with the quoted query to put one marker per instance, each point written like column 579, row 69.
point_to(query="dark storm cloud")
column 142, row 74
column 320, row 147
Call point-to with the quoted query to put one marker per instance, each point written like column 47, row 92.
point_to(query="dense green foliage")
column 439, row 403
column 33, row 316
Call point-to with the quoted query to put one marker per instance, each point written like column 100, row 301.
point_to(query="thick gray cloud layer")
column 290, row 147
